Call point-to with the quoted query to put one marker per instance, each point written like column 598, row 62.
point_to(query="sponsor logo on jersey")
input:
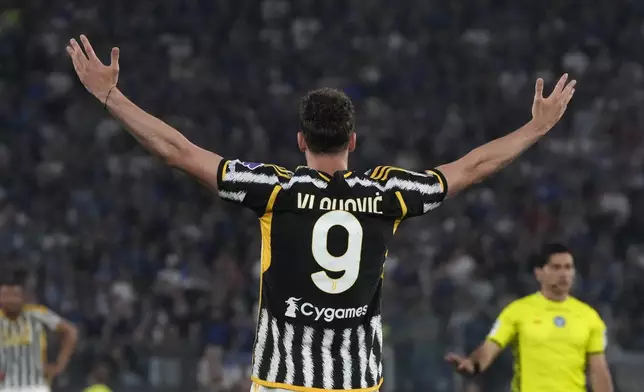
column 251, row 165
column 292, row 307
column 559, row 321
column 307, row 309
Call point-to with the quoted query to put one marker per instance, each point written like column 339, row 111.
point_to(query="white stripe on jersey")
column 362, row 355
column 307, row 356
column 407, row 185
column 288, row 347
column 327, row 359
column 250, row 178
column 275, row 359
column 305, row 179
column 233, row 196
column 395, row 184
column 347, row 365
column 373, row 365
column 376, row 324
column 25, row 330
column 260, row 344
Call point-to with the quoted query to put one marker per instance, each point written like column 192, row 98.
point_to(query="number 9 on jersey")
column 349, row 262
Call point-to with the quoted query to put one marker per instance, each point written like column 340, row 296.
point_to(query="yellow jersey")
column 550, row 341
column 97, row 388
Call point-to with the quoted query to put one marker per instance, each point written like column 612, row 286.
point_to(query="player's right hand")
column 461, row 363
column 547, row 111
column 97, row 77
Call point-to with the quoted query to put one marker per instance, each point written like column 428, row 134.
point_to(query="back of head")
column 327, row 120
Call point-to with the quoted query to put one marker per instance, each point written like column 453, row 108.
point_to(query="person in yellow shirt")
column 98, row 379
column 555, row 338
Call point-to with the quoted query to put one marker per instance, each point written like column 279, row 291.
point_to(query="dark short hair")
column 548, row 250
column 16, row 277
column 327, row 120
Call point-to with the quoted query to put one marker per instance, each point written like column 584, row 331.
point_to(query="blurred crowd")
column 153, row 267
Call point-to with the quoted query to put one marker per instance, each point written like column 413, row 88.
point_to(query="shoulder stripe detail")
column 378, row 172
column 392, row 168
column 305, row 179
column 282, row 172
column 397, row 184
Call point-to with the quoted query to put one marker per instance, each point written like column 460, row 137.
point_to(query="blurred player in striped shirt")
column 23, row 342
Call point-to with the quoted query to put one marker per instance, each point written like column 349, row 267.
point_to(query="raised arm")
column 489, row 158
column 155, row 135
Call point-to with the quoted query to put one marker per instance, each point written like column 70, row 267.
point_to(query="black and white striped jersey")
column 324, row 244
column 23, row 346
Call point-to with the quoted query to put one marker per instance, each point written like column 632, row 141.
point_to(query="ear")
column 537, row 273
column 352, row 142
column 301, row 143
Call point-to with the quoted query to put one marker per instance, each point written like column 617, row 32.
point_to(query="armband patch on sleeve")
column 251, row 165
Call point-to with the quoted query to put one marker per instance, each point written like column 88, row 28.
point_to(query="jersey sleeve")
column 49, row 318
column 418, row 192
column 505, row 327
column 249, row 184
column 598, row 341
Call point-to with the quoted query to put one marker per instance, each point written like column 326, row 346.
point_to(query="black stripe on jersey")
column 316, row 355
column 337, row 359
column 298, row 363
column 282, row 344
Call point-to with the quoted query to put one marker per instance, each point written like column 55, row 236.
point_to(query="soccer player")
column 555, row 338
column 325, row 229
column 23, row 344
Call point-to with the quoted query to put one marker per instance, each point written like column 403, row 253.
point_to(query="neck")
column 12, row 314
column 328, row 163
column 552, row 296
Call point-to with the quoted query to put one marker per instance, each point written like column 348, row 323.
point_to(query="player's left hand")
column 547, row 111
column 461, row 363
column 52, row 371
column 97, row 77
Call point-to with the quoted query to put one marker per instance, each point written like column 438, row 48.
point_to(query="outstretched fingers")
column 88, row 48
column 568, row 92
column 79, row 58
column 560, row 85
column 78, row 67
column 538, row 89
column 114, row 58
